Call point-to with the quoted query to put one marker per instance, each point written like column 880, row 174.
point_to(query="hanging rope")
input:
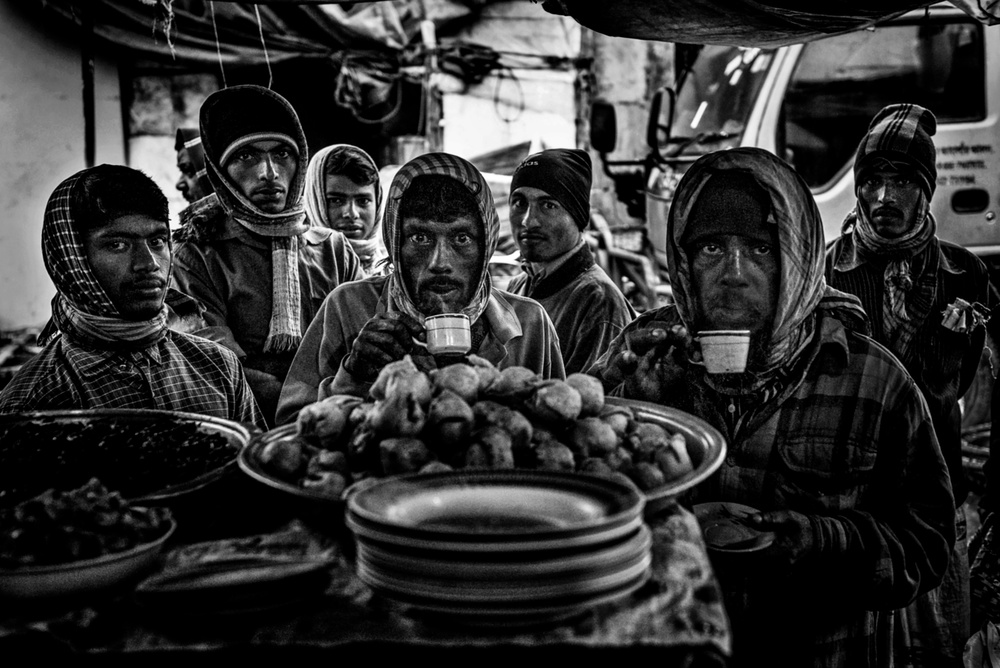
column 260, row 28
column 218, row 47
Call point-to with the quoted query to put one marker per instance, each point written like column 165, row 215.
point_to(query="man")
column 343, row 192
column 549, row 209
column 106, row 246
column 440, row 228
column 908, row 281
column 193, row 183
column 253, row 260
column 828, row 437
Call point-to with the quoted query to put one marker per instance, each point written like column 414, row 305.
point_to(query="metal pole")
column 87, row 64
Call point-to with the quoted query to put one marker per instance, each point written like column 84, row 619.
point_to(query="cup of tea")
column 724, row 350
column 448, row 334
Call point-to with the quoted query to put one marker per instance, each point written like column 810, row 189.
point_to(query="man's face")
column 263, row 171
column 188, row 183
column 735, row 279
column 130, row 256
column 891, row 198
column 442, row 262
column 350, row 208
column 542, row 227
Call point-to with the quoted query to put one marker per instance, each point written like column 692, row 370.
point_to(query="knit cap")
column 565, row 174
column 900, row 133
column 730, row 203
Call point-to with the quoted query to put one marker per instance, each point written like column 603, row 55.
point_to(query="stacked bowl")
column 501, row 547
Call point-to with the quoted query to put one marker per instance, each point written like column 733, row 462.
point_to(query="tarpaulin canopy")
column 744, row 22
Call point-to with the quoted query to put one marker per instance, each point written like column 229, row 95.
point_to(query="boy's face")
column 130, row 256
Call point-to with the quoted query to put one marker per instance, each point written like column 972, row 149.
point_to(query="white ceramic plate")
column 84, row 576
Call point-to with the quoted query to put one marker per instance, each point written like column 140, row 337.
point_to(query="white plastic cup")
column 448, row 334
column 724, row 350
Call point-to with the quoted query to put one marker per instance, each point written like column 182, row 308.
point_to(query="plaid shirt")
column 849, row 443
column 180, row 373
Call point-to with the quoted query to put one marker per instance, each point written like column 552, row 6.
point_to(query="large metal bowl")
column 706, row 448
column 236, row 434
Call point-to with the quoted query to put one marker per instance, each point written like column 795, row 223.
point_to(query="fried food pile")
column 472, row 416
column 60, row 527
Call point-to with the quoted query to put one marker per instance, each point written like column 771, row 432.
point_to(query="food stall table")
column 676, row 618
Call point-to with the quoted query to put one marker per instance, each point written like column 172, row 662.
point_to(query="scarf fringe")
column 282, row 343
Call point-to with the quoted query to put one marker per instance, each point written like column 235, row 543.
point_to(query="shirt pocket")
column 825, row 472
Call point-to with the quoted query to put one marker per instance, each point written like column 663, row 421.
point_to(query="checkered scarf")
column 81, row 308
column 910, row 272
column 392, row 228
column 284, row 229
column 315, row 199
column 803, row 287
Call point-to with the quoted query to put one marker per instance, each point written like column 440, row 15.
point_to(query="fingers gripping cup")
column 448, row 334
column 724, row 350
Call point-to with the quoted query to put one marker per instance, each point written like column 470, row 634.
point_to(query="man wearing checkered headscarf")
column 106, row 246
column 260, row 274
column 829, row 443
column 890, row 257
column 389, row 310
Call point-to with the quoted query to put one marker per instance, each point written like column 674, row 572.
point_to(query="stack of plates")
column 501, row 547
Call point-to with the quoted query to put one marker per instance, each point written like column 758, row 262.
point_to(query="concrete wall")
column 41, row 143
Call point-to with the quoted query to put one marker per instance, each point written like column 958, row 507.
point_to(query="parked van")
column 811, row 104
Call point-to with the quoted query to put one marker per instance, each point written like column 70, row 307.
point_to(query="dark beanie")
column 900, row 133
column 728, row 203
column 565, row 174
column 239, row 115
column 185, row 136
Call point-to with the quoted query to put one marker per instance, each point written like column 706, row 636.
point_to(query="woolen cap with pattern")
column 729, row 203
column 900, row 133
column 564, row 173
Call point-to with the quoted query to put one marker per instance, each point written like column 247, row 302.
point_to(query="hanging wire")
column 502, row 73
column 218, row 47
column 260, row 28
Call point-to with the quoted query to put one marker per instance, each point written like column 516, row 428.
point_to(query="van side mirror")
column 661, row 118
column 603, row 126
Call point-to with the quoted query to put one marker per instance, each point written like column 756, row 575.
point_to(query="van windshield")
column 839, row 83
column 715, row 98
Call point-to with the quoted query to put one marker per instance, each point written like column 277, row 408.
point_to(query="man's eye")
column 158, row 243
column 463, row 239
column 550, row 205
column 364, row 202
column 335, row 201
column 903, row 181
column 711, row 249
column 283, row 153
column 763, row 249
column 419, row 238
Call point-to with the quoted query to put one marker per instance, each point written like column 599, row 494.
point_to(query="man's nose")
column 181, row 184
column 531, row 218
column 442, row 257
column 353, row 210
column 144, row 259
column 733, row 268
column 267, row 168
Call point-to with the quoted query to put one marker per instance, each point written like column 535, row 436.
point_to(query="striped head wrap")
column 189, row 140
column 315, row 198
column 233, row 117
column 900, row 133
column 802, row 285
column 81, row 308
column 464, row 172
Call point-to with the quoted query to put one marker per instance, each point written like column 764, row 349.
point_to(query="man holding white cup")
column 440, row 228
column 829, row 440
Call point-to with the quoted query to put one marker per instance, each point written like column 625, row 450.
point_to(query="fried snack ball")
column 514, row 382
column 403, row 455
column 593, row 437
column 328, row 483
column 435, row 466
column 591, row 393
column 403, row 411
column 554, row 456
column 556, row 401
column 512, row 421
column 450, row 420
column 285, row 457
column 485, row 370
column 325, row 422
column 646, row 475
column 461, row 379
column 645, row 439
column 620, row 459
column 673, row 458
column 597, row 466
column 620, row 418
column 363, row 454
column 490, row 447
column 402, row 373
column 327, row 460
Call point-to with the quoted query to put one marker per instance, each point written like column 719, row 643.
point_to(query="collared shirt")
column 586, row 307
column 849, row 443
column 179, row 373
column 232, row 278
column 519, row 333
column 539, row 271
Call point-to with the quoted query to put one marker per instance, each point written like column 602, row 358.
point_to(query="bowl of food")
column 80, row 541
column 475, row 416
column 179, row 460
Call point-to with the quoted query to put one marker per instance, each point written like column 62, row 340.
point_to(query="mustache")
column 440, row 282
column 887, row 211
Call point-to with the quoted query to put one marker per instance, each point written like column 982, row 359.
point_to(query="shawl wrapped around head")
column 227, row 117
column 793, row 210
column 369, row 249
column 465, row 173
column 81, row 308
